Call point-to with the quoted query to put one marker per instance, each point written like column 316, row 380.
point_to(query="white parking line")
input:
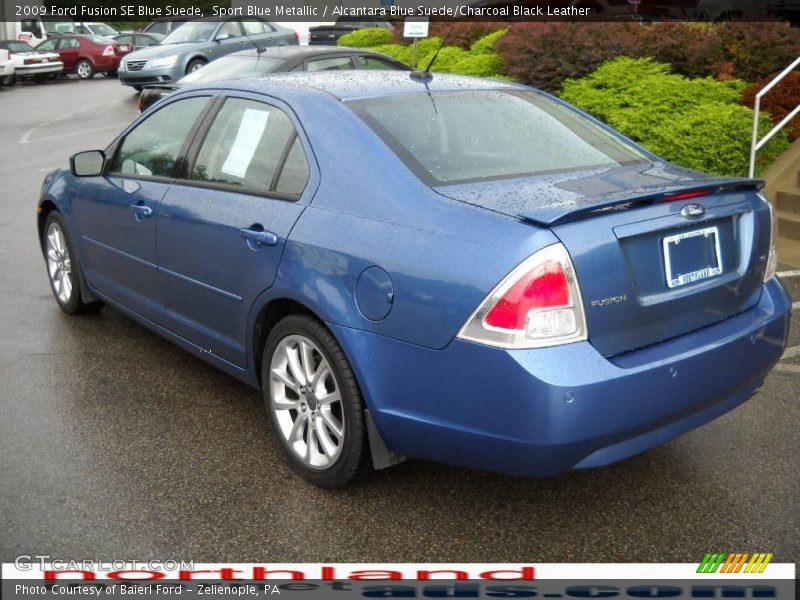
column 25, row 137
column 795, row 273
column 72, row 134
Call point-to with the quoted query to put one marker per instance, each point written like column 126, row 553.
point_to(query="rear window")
column 455, row 137
column 232, row 67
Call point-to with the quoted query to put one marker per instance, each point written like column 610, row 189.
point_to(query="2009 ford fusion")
column 452, row 269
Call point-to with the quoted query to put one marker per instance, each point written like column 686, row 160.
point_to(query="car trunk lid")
column 653, row 261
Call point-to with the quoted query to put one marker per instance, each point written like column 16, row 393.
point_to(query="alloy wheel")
column 59, row 264
column 306, row 402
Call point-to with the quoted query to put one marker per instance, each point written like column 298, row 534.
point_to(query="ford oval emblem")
column 693, row 211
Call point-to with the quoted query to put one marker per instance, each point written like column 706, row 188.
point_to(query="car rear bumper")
column 42, row 69
column 543, row 412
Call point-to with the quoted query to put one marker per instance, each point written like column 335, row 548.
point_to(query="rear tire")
column 84, row 69
column 63, row 267
column 138, row 88
column 311, row 395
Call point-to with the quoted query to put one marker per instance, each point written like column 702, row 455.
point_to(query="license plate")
column 124, row 48
column 692, row 256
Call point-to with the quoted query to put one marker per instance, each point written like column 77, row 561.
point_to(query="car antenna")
column 259, row 50
column 425, row 74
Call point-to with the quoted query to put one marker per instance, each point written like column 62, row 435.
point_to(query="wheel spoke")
column 52, row 254
column 295, row 366
column 328, row 445
column 332, row 423
column 67, row 284
column 282, row 376
column 329, row 398
column 296, row 434
column 307, row 360
column 67, row 264
column 312, row 447
column 318, row 383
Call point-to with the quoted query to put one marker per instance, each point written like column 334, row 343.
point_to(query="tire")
column 194, row 65
column 12, row 81
column 84, row 69
column 138, row 88
column 323, row 438
column 63, row 267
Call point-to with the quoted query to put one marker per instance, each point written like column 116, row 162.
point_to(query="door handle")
column 141, row 211
column 259, row 237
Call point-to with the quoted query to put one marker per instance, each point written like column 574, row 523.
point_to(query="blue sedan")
column 452, row 269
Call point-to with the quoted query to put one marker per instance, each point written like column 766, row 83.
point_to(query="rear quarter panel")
column 443, row 257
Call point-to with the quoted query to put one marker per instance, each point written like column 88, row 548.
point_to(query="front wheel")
column 313, row 399
column 194, row 65
column 63, row 267
column 84, row 69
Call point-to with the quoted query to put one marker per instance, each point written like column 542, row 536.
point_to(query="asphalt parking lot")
column 115, row 444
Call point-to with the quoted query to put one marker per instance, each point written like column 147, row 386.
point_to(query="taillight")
column 109, row 51
column 539, row 304
column 772, row 257
column 296, row 37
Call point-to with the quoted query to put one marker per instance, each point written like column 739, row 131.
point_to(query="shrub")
column 449, row 56
column 779, row 102
column 696, row 123
column 463, row 35
column 755, row 50
column 486, row 44
column 714, row 138
column 546, row 54
column 480, row 65
column 366, row 38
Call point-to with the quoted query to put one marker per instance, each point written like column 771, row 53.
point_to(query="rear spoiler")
column 590, row 207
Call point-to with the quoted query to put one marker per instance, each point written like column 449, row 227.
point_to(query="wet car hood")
column 164, row 50
column 550, row 197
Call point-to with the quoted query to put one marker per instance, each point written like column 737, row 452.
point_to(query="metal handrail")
column 758, row 144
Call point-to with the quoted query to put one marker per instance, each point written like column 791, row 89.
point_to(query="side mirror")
column 221, row 37
column 87, row 164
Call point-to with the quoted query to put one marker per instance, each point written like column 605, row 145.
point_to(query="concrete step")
column 788, row 225
column 788, row 202
column 789, row 251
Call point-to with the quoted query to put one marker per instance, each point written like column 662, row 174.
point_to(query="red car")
column 86, row 55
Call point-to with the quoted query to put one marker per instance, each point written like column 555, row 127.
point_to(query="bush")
column 779, row 102
column 714, row 138
column 463, row 35
column 696, row 123
column 366, row 38
column 546, row 54
column 486, row 44
column 480, row 65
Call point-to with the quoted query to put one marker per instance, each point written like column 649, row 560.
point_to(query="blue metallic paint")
column 527, row 412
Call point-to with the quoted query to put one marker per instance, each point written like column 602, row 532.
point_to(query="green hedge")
column 366, row 38
column 480, row 60
column 696, row 123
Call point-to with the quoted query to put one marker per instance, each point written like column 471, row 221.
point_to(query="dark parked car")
column 196, row 43
column 330, row 34
column 277, row 60
column 449, row 268
column 139, row 40
column 86, row 55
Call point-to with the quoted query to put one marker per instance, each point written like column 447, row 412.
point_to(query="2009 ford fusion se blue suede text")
column 453, row 269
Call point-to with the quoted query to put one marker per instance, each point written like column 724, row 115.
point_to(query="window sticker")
column 251, row 128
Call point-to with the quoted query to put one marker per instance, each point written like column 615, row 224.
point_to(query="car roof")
column 347, row 85
column 292, row 51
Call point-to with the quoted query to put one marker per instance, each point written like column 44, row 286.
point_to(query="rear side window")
column 160, row 27
column 453, row 137
column 246, row 147
column 372, row 63
column 340, row 63
column 153, row 147
column 294, row 175
column 69, row 43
